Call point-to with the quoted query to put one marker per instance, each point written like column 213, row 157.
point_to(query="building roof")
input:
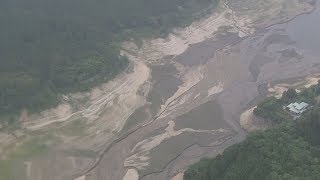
column 292, row 108
column 298, row 107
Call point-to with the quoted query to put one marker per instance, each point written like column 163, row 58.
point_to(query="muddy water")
column 233, row 77
column 282, row 53
column 165, row 80
column 207, row 116
column 305, row 31
column 165, row 83
column 199, row 53
column 236, row 71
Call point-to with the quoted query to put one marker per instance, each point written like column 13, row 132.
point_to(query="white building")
column 297, row 108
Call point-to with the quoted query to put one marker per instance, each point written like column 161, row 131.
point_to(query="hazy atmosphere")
column 159, row 90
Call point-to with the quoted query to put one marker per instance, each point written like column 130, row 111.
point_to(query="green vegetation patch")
column 12, row 165
column 49, row 47
column 32, row 146
column 82, row 153
column 75, row 128
column 288, row 151
column 274, row 109
column 278, row 154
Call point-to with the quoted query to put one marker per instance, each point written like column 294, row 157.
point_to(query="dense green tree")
column 279, row 153
column 49, row 47
column 290, row 150
column 289, row 95
column 271, row 109
column 309, row 126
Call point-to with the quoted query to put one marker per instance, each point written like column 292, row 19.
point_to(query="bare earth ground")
column 251, row 123
column 179, row 176
column 218, row 62
column 247, row 120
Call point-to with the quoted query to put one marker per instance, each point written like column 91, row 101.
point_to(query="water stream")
column 305, row 31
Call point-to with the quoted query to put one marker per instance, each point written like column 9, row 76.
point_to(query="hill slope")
column 49, row 47
column 290, row 150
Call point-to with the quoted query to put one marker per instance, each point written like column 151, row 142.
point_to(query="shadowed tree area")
column 48, row 47
column 280, row 153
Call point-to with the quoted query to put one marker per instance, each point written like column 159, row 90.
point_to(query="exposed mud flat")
column 103, row 111
column 251, row 123
column 162, row 148
column 182, row 95
column 276, row 89
column 223, row 77
column 206, row 116
column 179, row 176
column 131, row 174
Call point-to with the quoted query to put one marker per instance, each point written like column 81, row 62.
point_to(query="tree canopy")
column 276, row 154
column 48, row 47
column 288, row 151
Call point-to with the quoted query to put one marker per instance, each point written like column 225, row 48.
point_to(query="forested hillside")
column 289, row 151
column 276, row 154
column 49, row 47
